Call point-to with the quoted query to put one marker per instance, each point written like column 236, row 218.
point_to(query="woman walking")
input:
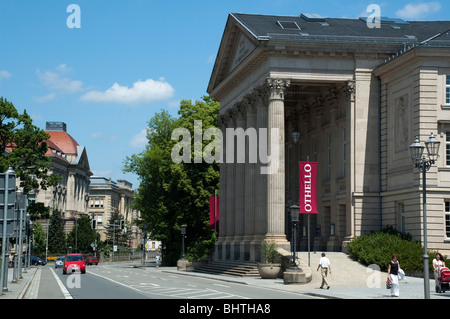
column 393, row 269
column 438, row 263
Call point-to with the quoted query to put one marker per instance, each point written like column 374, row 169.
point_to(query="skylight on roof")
column 288, row 25
column 387, row 20
column 312, row 17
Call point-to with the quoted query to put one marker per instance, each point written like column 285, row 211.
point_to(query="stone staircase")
column 230, row 268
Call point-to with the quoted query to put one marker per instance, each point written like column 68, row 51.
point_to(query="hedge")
column 377, row 248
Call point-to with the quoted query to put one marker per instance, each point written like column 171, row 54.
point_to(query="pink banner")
column 214, row 212
column 308, row 188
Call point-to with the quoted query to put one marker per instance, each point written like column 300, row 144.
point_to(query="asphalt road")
column 125, row 281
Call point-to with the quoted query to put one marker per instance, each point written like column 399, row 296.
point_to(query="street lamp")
column 183, row 234
column 295, row 136
column 295, row 217
column 423, row 163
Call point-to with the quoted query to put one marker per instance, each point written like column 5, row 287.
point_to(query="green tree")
column 56, row 234
column 82, row 236
column 22, row 147
column 40, row 239
column 114, row 233
column 170, row 193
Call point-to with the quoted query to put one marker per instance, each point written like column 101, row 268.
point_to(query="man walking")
column 325, row 266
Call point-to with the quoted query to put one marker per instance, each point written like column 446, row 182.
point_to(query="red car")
column 74, row 263
column 91, row 260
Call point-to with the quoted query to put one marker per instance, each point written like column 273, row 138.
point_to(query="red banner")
column 214, row 213
column 308, row 188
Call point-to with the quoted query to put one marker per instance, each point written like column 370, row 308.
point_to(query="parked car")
column 74, row 263
column 60, row 261
column 37, row 261
column 91, row 260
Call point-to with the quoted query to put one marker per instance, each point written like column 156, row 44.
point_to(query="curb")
column 26, row 287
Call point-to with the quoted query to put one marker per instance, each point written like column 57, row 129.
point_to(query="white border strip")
column 64, row 290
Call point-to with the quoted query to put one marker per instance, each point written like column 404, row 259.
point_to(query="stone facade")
column 70, row 162
column 105, row 198
column 357, row 99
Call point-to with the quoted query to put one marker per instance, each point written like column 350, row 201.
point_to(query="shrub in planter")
column 272, row 268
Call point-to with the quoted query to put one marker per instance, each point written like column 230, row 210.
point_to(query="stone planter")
column 269, row 271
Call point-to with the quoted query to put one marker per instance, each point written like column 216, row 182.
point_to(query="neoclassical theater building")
column 358, row 96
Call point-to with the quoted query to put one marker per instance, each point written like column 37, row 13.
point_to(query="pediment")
column 82, row 159
column 236, row 45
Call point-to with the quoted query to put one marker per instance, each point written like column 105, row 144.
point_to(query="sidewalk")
column 19, row 289
column 348, row 280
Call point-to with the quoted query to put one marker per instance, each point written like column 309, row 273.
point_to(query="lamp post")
column 295, row 217
column 295, row 136
column 183, row 234
column 424, row 163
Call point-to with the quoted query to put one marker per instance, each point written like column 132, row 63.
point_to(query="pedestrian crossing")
column 156, row 284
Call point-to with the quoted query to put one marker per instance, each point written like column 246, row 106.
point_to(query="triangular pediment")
column 82, row 159
column 236, row 45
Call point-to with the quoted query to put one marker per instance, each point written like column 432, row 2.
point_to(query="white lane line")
column 117, row 282
column 64, row 290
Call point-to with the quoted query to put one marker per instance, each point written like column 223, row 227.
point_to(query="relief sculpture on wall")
column 402, row 124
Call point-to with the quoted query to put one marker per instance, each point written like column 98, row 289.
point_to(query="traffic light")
column 122, row 224
column 94, row 224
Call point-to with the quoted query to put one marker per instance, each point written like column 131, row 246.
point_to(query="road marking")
column 64, row 290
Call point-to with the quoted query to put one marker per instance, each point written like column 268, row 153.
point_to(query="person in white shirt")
column 325, row 266
column 438, row 263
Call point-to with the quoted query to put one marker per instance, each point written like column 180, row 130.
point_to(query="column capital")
column 350, row 90
column 277, row 87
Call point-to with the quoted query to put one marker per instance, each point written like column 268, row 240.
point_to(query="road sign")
column 8, row 194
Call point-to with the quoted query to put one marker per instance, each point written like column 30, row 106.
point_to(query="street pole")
column 46, row 245
column 5, row 229
column 426, row 275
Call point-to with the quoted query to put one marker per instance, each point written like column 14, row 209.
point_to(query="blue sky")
column 132, row 58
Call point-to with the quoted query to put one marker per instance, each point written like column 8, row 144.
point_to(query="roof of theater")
column 312, row 26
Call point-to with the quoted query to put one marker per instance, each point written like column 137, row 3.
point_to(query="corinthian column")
column 239, row 189
column 220, row 244
column 276, row 166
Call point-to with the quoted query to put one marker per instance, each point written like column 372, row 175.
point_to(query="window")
column 288, row 25
column 96, row 202
column 100, row 219
column 344, row 148
column 447, row 149
column 401, row 217
column 447, row 219
column 329, row 157
column 447, row 90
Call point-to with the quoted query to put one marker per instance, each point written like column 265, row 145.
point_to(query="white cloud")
column 139, row 140
column 4, row 74
column 147, row 91
column 44, row 98
column 420, row 10
column 96, row 134
column 56, row 81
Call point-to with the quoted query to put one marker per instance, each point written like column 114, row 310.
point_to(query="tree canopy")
column 22, row 147
column 175, row 193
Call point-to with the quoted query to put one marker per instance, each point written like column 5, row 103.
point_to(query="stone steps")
column 230, row 268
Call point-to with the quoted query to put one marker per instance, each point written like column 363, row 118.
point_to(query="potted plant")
column 272, row 267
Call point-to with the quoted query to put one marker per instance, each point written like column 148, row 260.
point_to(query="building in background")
column 70, row 162
column 107, row 197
